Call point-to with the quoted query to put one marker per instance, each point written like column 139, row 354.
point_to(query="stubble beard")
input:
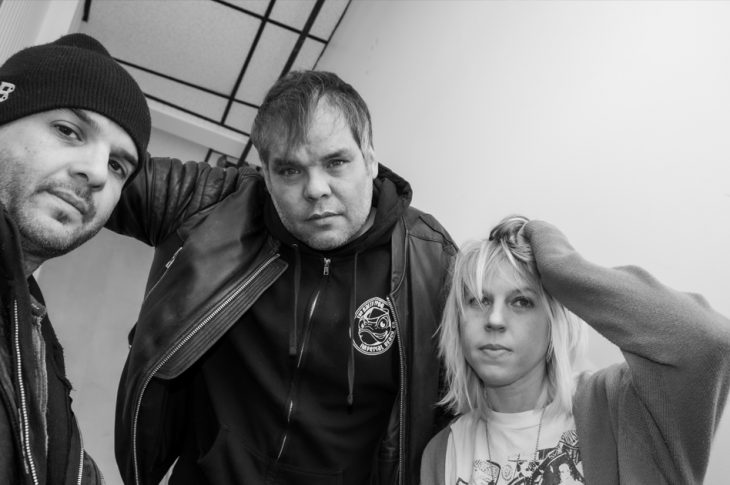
column 43, row 243
column 38, row 241
column 314, row 240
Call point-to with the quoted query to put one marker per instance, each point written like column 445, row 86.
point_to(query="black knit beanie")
column 75, row 71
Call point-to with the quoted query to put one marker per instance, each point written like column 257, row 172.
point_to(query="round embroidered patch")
column 375, row 330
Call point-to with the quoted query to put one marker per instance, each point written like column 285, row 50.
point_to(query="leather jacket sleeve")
column 166, row 192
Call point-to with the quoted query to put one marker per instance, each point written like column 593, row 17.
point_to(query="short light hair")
column 475, row 262
column 287, row 110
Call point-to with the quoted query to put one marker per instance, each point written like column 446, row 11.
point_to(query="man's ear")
column 371, row 163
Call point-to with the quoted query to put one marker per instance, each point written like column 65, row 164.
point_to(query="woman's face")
column 505, row 335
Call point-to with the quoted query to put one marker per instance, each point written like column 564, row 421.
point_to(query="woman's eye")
column 473, row 301
column 523, row 302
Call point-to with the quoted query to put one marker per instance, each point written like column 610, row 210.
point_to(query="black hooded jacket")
column 223, row 270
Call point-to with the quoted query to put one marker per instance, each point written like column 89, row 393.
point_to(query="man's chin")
column 51, row 242
column 326, row 241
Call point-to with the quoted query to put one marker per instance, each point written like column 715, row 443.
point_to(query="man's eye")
column 287, row 172
column 336, row 163
column 67, row 131
column 118, row 168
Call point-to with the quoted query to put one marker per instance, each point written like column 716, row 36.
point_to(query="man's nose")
column 92, row 165
column 317, row 185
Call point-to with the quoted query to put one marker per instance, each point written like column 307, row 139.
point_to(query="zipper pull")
column 172, row 259
column 326, row 269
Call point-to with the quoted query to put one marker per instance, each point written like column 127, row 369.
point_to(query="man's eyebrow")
column 285, row 160
column 128, row 157
column 118, row 151
column 85, row 118
column 280, row 161
column 340, row 153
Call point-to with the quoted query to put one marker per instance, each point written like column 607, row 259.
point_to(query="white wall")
column 609, row 119
column 93, row 296
column 25, row 23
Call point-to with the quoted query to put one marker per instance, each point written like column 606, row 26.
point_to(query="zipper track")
column 81, row 458
column 167, row 268
column 178, row 346
column 308, row 322
column 402, row 404
column 24, row 429
column 25, row 433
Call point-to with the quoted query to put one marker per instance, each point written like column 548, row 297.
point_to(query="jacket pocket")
column 385, row 471
column 385, row 465
column 91, row 474
column 230, row 461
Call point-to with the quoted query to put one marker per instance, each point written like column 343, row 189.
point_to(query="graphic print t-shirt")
column 510, row 458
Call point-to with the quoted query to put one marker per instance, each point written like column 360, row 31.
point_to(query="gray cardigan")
column 650, row 419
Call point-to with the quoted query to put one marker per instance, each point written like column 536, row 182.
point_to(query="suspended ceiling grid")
column 211, row 62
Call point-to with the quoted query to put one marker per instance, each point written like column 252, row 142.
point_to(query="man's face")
column 323, row 188
column 61, row 174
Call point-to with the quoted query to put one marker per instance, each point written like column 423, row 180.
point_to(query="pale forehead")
column 503, row 277
column 327, row 132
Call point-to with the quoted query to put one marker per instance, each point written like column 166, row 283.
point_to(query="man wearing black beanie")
column 74, row 128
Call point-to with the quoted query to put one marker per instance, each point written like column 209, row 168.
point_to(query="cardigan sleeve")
column 433, row 460
column 677, row 348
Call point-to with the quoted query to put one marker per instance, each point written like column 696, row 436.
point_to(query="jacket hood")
column 21, row 383
column 391, row 197
column 11, row 267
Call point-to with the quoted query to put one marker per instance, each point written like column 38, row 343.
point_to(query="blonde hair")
column 475, row 261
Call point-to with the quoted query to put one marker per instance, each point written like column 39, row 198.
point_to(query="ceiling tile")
column 241, row 117
column 252, row 158
column 183, row 38
column 267, row 63
column 329, row 15
column 255, row 6
column 204, row 104
column 292, row 13
column 308, row 55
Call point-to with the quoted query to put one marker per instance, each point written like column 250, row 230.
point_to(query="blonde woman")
column 511, row 333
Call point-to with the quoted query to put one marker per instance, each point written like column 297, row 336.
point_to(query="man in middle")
column 286, row 335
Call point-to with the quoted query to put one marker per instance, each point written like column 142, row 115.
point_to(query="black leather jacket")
column 213, row 259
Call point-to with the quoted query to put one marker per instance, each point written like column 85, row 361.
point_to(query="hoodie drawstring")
column 351, row 357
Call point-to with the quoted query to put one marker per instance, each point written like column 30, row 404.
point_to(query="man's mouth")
column 73, row 200
column 322, row 215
